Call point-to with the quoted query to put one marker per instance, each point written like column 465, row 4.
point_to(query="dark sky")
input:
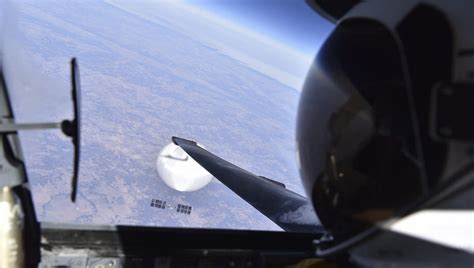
column 288, row 21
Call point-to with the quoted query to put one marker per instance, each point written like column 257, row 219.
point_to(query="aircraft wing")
column 289, row 210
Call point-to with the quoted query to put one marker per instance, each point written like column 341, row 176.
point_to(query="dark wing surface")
column 289, row 210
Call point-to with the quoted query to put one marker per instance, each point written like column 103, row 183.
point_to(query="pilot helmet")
column 382, row 120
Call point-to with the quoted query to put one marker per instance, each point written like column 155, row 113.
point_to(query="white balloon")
column 179, row 171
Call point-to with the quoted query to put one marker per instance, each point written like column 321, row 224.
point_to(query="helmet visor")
column 356, row 135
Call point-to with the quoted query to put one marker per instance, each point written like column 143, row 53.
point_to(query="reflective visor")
column 355, row 131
